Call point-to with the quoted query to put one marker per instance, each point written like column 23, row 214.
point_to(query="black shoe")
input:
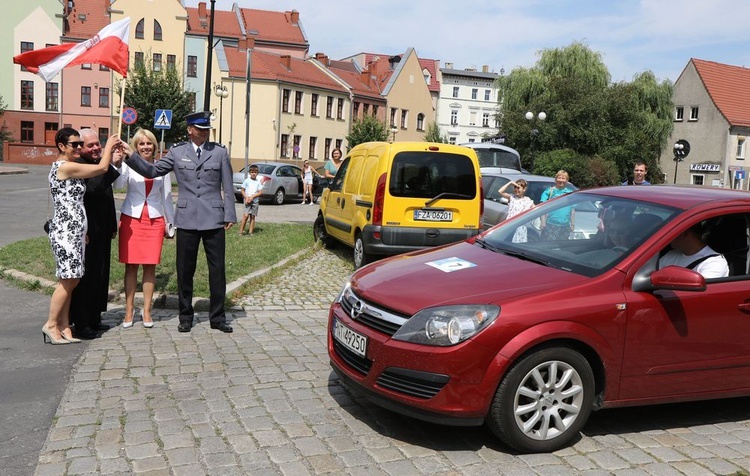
column 223, row 327
column 85, row 333
column 102, row 327
column 184, row 327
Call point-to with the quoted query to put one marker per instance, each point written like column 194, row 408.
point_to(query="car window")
column 338, row 180
column 497, row 157
column 425, row 174
column 265, row 169
column 493, row 193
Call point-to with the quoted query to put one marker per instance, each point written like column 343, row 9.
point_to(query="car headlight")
column 447, row 325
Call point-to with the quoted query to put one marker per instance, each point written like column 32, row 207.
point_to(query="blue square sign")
column 163, row 119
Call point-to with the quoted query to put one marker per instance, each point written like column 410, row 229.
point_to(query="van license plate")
column 433, row 215
column 353, row 341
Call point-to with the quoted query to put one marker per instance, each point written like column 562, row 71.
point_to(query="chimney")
column 393, row 61
column 448, row 65
column 286, row 61
column 365, row 77
column 245, row 43
column 322, row 58
column 202, row 14
column 485, row 68
column 293, row 17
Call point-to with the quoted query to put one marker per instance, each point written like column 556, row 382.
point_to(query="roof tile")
column 729, row 88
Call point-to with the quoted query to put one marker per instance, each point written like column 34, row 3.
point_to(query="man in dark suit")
column 90, row 297
column 203, row 171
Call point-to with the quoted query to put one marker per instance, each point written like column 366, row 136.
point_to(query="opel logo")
column 358, row 307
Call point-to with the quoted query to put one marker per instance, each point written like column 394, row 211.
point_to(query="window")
column 103, row 68
column 104, row 98
column 338, row 143
column 171, row 62
column 285, row 94
column 679, row 113
column 741, row 147
column 327, row 148
column 366, row 110
column 157, row 31
column 474, row 93
column 157, row 62
column 296, row 148
column 697, row 179
column 27, row 95
column 284, row 145
column 472, row 118
column 86, row 66
column 313, row 147
column 454, row 118
column 50, row 129
column 138, row 59
column 420, row 122
column 485, row 119
column 25, row 47
column 374, row 110
column 139, row 30
column 423, row 174
column 404, row 118
column 103, row 134
column 452, row 140
column 487, row 94
column 455, row 91
column 85, row 95
column 52, row 96
column 340, row 109
column 298, row 102
column 393, row 117
column 694, row 113
column 329, row 108
column 314, row 105
column 27, row 131
column 192, row 66
column 356, row 109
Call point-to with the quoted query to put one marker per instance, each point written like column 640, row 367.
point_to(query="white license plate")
column 353, row 341
column 433, row 215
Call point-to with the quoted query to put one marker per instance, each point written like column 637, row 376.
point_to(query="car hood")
column 413, row 281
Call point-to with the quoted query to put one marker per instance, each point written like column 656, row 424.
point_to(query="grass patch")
column 271, row 243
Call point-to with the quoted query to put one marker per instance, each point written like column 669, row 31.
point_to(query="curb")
column 167, row 301
column 8, row 170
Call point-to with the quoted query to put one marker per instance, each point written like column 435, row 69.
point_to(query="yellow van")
column 390, row 198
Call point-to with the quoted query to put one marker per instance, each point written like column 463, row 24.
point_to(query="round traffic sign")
column 129, row 116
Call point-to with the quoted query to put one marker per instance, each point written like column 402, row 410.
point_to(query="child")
column 251, row 191
column 517, row 203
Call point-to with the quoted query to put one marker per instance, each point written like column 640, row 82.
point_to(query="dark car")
column 281, row 181
column 528, row 337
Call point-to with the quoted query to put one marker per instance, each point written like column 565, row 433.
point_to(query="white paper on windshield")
column 448, row 265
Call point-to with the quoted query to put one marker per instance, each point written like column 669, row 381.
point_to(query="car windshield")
column 266, row 168
column 424, row 174
column 497, row 157
column 544, row 234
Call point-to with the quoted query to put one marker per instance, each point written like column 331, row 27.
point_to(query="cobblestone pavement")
column 264, row 400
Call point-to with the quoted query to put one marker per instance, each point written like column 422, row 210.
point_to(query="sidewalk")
column 13, row 169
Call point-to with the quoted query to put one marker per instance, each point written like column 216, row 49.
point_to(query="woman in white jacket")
column 146, row 216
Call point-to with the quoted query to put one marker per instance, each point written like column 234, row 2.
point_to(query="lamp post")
column 541, row 117
column 221, row 92
column 681, row 149
column 394, row 130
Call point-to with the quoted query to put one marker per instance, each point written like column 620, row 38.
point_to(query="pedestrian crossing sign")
column 163, row 119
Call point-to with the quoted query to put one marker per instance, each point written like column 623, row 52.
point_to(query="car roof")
column 277, row 164
column 677, row 196
column 490, row 145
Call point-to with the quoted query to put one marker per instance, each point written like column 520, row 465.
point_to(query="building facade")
column 468, row 104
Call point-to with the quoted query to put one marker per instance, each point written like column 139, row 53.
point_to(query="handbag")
column 49, row 220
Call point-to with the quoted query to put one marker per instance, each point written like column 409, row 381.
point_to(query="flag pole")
column 122, row 106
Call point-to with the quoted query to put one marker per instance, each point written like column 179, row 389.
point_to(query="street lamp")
column 541, row 117
column 393, row 133
column 221, row 92
column 681, row 149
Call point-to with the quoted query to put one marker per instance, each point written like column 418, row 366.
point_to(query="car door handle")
column 744, row 307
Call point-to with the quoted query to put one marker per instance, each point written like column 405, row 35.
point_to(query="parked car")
column 496, row 207
column 530, row 337
column 281, row 182
column 501, row 156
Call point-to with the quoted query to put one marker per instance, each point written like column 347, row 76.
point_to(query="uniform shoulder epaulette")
column 220, row 145
column 179, row 143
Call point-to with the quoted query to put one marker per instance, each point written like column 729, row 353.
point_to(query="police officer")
column 203, row 171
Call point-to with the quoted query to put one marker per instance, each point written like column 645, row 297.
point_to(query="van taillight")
column 377, row 206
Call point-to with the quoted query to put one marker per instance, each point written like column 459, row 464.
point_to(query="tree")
column 433, row 134
column 148, row 90
column 587, row 115
column 367, row 129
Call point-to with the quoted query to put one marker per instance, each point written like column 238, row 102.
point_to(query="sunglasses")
column 76, row 143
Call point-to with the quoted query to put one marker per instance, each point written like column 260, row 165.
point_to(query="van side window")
column 338, row 180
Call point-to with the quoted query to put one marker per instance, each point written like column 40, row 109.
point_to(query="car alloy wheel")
column 361, row 258
column 278, row 197
column 544, row 400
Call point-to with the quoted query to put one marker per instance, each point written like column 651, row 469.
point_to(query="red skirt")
column 141, row 239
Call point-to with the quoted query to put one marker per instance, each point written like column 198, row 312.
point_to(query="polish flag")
column 109, row 47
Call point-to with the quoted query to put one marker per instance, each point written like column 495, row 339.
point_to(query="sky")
column 632, row 36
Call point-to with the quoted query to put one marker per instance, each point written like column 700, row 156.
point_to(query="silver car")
column 281, row 181
column 496, row 207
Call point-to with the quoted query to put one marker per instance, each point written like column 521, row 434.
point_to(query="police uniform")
column 201, row 214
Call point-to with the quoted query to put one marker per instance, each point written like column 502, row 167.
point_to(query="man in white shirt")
column 689, row 251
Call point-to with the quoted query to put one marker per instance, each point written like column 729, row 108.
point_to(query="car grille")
column 413, row 383
column 369, row 315
column 354, row 361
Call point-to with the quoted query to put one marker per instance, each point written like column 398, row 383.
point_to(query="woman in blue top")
column 557, row 225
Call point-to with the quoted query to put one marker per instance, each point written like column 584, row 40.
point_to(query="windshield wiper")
column 485, row 245
column 445, row 195
column 521, row 255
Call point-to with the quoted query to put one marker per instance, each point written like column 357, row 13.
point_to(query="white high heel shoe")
column 125, row 325
column 147, row 325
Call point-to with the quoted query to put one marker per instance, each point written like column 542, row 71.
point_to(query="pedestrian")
column 251, row 192
column 67, row 232
column 332, row 166
column 517, row 204
column 145, row 216
column 307, row 180
column 559, row 224
column 205, row 211
column 89, row 299
column 639, row 174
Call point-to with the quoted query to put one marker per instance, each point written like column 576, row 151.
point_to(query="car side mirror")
column 676, row 278
column 503, row 200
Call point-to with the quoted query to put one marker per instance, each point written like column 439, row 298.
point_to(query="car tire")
column 534, row 413
column 320, row 233
column 279, row 197
column 361, row 257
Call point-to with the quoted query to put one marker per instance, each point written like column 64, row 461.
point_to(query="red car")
column 528, row 328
